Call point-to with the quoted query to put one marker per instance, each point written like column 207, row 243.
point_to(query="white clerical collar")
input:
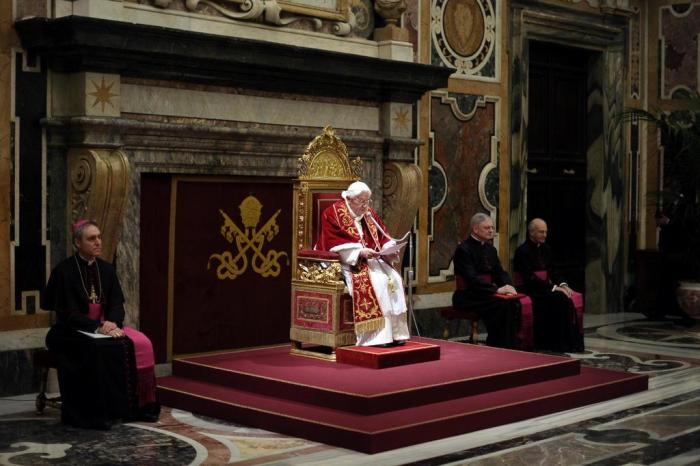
column 479, row 240
column 355, row 217
column 89, row 262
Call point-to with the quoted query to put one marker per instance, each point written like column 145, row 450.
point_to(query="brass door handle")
column 569, row 171
column 532, row 171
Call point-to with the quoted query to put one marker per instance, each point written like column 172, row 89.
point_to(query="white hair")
column 477, row 219
column 355, row 189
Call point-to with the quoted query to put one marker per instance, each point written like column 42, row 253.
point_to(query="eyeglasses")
column 361, row 201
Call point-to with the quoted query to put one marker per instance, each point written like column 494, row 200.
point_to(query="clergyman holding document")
column 353, row 229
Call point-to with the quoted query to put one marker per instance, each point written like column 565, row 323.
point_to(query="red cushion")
column 321, row 201
column 314, row 254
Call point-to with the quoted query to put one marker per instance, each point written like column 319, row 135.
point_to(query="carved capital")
column 97, row 190
column 402, row 184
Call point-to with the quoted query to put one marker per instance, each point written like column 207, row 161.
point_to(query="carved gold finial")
column 326, row 157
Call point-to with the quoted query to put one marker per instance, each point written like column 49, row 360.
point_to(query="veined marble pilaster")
column 5, row 164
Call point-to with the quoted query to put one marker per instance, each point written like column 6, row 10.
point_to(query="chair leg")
column 40, row 402
column 474, row 337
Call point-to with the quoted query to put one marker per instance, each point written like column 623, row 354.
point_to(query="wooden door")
column 557, row 152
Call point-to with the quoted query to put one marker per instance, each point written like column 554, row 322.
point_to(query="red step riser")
column 377, row 404
column 402, row 435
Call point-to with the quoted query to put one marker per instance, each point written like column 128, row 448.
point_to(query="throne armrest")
column 317, row 255
column 319, row 267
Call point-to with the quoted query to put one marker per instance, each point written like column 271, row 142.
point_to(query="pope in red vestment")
column 353, row 229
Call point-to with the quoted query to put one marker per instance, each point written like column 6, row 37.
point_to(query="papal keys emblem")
column 248, row 241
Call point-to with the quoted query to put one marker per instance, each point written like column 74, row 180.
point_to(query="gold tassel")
column 369, row 325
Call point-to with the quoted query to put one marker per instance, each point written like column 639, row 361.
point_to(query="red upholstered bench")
column 472, row 315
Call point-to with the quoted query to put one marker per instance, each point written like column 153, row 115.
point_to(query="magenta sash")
column 145, row 366
column 143, row 352
column 576, row 298
column 95, row 311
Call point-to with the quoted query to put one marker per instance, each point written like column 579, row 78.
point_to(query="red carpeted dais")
column 469, row 388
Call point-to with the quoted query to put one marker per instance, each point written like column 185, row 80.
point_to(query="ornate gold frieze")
column 97, row 190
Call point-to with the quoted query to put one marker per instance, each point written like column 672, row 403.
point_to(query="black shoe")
column 399, row 342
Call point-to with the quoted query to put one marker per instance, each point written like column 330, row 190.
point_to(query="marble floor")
column 658, row 427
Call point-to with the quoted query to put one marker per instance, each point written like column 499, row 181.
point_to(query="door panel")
column 557, row 152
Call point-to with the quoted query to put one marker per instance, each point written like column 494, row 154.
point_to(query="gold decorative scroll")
column 326, row 157
column 97, row 190
column 320, row 272
column 248, row 238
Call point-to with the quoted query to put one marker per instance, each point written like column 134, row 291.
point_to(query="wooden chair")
column 45, row 360
column 470, row 315
column 321, row 307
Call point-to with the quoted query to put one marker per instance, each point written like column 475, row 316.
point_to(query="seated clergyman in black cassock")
column 556, row 326
column 485, row 284
column 105, row 370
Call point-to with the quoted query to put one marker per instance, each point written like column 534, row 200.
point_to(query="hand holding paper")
column 391, row 250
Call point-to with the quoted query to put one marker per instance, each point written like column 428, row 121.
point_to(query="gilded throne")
column 321, row 307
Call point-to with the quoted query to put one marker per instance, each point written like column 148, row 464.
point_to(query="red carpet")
column 469, row 388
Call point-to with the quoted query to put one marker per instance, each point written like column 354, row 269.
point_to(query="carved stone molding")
column 74, row 43
column 281, row 13
column 402, row 182
column 98, row 181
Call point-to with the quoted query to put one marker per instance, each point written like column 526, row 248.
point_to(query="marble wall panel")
column 679, row 31
column 462, row 127
column 17, row 373
column 166, row 101
column 6, row 130
column 466, row 37
column 411, row 22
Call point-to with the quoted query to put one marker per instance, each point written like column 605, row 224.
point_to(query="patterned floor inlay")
column 659, row 427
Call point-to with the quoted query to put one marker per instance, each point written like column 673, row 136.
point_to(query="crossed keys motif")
column 248, row 238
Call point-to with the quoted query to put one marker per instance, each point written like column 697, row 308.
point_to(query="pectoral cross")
column 93, row 295
column 391, row 284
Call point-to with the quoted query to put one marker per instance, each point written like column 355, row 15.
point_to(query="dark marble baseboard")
column 17, row 372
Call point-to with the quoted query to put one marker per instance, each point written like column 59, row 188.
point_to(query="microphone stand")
column 410, row 283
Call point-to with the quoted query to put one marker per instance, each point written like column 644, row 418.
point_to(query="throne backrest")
column 324, row 170
column 320, row 201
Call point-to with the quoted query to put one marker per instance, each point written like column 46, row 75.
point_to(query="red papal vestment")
column 379, row 304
